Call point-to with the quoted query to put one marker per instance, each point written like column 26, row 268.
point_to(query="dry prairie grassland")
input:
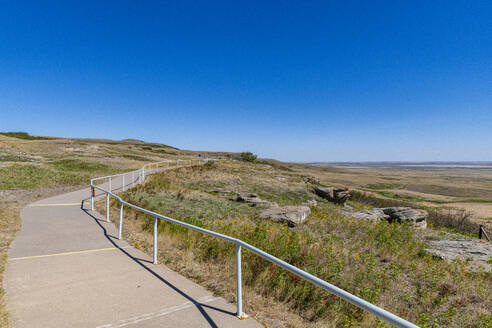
column 381, row 262
column 442, row 188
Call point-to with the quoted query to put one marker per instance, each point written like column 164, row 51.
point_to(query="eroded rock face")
column 402, row 214
column 475, row 251
column 399, row 214
column 293, row 215
column 253, row 199
column 374, row 214
column 337, row 196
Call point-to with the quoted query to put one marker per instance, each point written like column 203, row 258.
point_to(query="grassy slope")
column 383, row 263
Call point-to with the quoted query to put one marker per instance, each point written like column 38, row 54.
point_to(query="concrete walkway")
column 67, row 268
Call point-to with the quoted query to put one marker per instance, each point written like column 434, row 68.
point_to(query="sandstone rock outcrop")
column 407, row 214
column 476, row 252
column 293, row 215
column 337, row 196
column 399, row 214
column 252, row 199
column 374, row 214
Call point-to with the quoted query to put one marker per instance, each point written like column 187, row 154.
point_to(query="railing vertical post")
column 239, row 296
column 92, row 198
column 155, row 239
column 107, row 207
column 121, row 221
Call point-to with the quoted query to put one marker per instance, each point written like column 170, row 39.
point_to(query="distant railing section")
column 482, row 232
column 132, row 178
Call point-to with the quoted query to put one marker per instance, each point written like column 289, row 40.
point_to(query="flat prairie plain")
column 454, row 188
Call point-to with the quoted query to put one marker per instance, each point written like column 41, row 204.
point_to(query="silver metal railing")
column 138, row 176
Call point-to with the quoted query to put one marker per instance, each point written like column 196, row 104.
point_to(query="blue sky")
column 292, row 80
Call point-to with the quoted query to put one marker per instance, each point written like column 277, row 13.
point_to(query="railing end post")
column 239, row 293
column 121, row 221
column 107, row 207
column 155, row 240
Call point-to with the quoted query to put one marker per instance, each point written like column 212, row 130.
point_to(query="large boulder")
column 337, row 196
column 393, row 214
column 477, row 253
column 375, row 214
column 406, row 214
column 252, row 199
column 293, row 215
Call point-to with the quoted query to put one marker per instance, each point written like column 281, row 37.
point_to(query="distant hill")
column 133, row 141
column 24, row 136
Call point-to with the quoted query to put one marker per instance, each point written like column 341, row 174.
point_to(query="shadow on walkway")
column 145, row 265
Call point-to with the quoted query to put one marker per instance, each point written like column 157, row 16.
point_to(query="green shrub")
column 248, row 157
column 209, row 165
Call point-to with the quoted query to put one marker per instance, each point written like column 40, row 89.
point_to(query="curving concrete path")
column 67, row 268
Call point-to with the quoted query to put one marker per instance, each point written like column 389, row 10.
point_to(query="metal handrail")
column 482, row 232
column 357, row 301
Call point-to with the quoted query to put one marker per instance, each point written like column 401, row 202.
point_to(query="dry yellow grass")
column 217, row 277
column 9, row 225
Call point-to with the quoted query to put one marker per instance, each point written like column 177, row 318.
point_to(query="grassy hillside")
column 383, row 263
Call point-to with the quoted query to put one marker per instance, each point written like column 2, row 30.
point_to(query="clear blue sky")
column 292, row 80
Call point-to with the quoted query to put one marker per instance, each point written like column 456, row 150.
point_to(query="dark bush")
column 248, row 157
column 455, row 219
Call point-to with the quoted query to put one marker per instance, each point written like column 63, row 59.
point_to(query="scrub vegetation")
column 383, row 263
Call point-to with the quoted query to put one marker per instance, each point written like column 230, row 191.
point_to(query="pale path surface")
column 66, row 268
